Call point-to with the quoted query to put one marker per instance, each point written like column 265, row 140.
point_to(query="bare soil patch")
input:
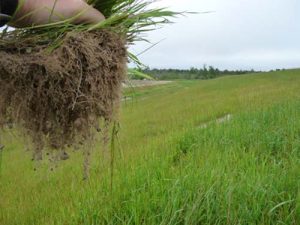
column 142, row 83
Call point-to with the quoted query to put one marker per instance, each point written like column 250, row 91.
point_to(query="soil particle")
column 64, row 156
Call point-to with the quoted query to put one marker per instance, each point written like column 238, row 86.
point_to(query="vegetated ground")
column 170, row 170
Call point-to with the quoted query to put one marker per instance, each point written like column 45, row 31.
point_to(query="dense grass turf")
column 169, row 168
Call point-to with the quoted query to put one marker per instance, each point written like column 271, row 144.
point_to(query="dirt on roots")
column 59, row 99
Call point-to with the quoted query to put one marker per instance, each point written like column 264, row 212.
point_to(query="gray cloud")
column 241, row 34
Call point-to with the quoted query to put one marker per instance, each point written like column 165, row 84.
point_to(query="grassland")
column 168, row 168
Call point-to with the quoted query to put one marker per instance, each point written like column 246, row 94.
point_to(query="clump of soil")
column 60, row 98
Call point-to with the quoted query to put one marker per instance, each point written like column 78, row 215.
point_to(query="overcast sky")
column 240, row 34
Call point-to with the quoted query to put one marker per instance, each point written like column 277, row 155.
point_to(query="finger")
column 44, row 11
column 90, row 15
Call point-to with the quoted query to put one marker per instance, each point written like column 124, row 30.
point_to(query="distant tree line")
column 193, row 73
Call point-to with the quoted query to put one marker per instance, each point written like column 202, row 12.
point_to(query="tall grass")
column 241, row 171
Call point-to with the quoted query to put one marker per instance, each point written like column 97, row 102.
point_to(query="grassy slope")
column 169, row 171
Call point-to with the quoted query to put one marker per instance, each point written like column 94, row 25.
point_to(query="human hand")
column 38, row 12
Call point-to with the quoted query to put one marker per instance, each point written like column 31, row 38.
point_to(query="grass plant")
column 56, row 83
column 130, row 18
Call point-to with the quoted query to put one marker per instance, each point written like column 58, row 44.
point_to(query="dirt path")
column 218, row 120
column 142, row 83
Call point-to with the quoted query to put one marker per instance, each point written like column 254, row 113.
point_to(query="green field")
column 174, row 164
